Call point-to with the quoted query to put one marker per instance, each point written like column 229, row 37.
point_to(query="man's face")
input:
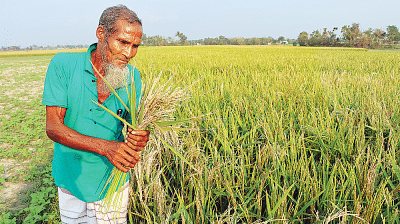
column 122, row 45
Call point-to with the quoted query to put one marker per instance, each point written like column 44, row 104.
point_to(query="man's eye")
column 124, row 42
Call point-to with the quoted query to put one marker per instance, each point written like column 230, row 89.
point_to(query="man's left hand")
column 137, row 139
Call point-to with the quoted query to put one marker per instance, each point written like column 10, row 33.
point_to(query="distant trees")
column 281, row 39
column 303, row 39
column 352, row 36
column 315, row 38
column 221, row 40
column 35, row 47
column 393, row 33
column 182, row 38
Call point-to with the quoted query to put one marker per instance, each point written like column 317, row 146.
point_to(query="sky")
column 60, row 22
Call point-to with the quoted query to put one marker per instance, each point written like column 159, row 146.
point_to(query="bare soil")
column 12, row 194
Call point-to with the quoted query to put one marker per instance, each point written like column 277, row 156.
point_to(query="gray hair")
column 112, row 14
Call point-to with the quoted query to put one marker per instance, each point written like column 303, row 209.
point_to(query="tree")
column 144, row 39
column 270, row 39
column 324, row 38
column 379, row 35
column 254, row 41
column 157, row 41
column 171, row 41
column 332, row 37
column 222, row 40
column 315, row 38
column 367, row 38
column 303, row 38
column 182, row 38
column 211, row 41
column 393, row 33
column 281, row 38
column 238, row 41
column 263, row 41
column 351, row 34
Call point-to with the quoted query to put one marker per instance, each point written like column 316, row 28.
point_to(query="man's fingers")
column 130, row 157
column 136, row 148
column 124, row 164
column 138, row 139
column 140, row 143
column 120, row 166
column 139, row 132
column 124, row 158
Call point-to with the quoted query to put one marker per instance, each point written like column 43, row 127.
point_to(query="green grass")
column 305, row 135
column 24, row 144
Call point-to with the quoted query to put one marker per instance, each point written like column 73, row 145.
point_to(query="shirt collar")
column 88, row 58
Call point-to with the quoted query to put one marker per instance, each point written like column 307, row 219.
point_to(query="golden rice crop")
column 298, row 135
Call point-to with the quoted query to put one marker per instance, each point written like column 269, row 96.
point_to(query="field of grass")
column 296, row 135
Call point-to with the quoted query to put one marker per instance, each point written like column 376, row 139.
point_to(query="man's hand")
column 137, row 140
column 125, row 155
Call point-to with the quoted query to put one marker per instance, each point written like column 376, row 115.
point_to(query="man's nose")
column 129, row 52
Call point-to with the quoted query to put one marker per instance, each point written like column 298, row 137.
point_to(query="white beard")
column 114, row 75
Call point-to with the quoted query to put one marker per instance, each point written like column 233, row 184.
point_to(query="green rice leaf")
column 278, row 204
column 114, row 114
column 132, row 99
column 308, row 204
column 178, row 154
column 141, row 110
column 174, row 122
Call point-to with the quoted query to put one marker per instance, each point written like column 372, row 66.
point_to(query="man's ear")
column 100, row 32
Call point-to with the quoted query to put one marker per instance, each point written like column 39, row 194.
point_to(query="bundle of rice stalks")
column 157, row 105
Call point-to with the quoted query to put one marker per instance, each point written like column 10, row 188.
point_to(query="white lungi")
column 73, row 210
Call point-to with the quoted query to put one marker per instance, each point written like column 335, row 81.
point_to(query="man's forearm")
column 120, row 154
column 66, row 136
column 57, row 131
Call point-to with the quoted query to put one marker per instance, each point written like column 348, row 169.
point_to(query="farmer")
column 88, row 140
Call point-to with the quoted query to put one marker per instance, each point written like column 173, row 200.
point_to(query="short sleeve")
column 56, row 85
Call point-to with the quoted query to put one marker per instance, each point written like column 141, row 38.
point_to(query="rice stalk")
column 157, row 105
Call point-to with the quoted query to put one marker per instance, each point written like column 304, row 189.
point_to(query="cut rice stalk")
column 156, row 108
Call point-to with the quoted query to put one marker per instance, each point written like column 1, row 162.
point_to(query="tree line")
column 351, row 36
column 35, row 47
column 181, row 39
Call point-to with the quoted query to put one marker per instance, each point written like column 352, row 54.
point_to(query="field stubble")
column 297, row 134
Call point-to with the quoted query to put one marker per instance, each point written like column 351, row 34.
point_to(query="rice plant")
column 302, row 135
column 158, row 102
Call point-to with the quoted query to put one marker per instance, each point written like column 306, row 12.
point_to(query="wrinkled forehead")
column 126, row 26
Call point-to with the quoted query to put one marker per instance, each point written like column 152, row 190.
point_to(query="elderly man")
column 88, row 140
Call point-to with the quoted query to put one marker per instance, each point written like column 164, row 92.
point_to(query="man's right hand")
column 121, row 156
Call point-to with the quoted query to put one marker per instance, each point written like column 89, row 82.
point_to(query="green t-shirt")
column 71, row 84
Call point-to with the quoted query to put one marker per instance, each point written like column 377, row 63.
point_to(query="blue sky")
column 52, row 22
